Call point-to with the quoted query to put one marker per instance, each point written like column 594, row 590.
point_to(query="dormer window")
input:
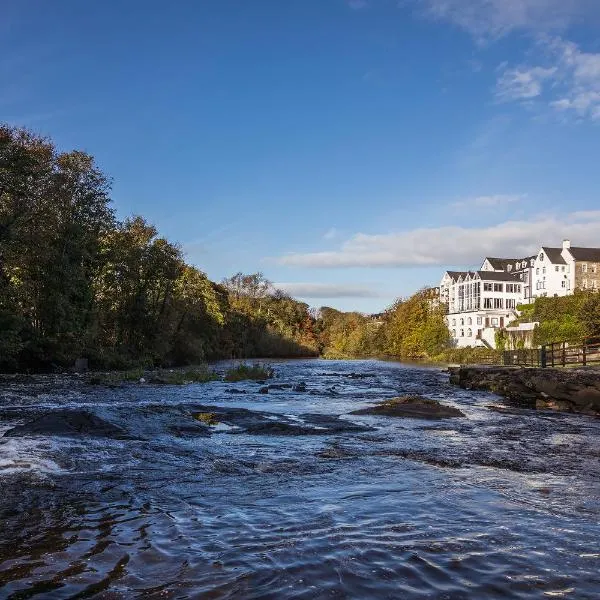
column 509, row 268
column 541, row 256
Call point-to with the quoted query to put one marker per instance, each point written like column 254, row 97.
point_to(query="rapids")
column 294, row 497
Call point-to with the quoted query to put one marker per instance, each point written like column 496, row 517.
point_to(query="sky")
column 351, row 150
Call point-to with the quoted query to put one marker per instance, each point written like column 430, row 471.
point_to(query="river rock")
column 570, row 390
column 68, row 423
column 411, row 406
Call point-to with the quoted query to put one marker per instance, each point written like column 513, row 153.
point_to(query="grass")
column 200, row 374
column 116, row 377
column 256, row 372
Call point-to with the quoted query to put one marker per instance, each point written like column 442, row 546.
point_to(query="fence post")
column 543, row 357
column 564, row 357
column 552, row 350
column 583, row 350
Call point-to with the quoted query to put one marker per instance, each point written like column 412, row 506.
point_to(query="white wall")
column 547, row 281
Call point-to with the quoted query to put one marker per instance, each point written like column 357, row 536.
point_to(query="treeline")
column 77, row 282
column 413, row 329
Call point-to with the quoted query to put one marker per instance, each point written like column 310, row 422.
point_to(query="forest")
column 77, row 282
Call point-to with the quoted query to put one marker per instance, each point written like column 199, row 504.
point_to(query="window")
column 497, row 287
column 544, row 270
column 469, row 321
column 479, row 321
column 469, row 333
column 495, row 322
column 453, row 321
column 537, row 271
column 462, row 333
column 517, row 289
column 541, row 256
column 462, row 321
column 594, row 285
column 487, row 287
column 563, row 283
column 454, row 333
column 584, row 284
column 532, row 262
column 584, row 267
column 487, row 303
column 556, row 268
column 509, row 268
column 563, row 269
column 511, row 303
column 498, row 302
column 594, row 267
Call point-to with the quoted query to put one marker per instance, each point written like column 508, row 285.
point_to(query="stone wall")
column 567, row 390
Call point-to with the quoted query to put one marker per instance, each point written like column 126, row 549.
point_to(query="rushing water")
column 501, row 503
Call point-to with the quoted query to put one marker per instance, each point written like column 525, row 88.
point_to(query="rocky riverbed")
column 570, row 390
column 344, row 479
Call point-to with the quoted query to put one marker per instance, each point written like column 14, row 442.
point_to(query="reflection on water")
column 495, row 505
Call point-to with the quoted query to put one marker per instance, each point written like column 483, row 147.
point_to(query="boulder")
column 411, row 406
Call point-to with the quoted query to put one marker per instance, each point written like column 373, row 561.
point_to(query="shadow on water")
column 220, row 491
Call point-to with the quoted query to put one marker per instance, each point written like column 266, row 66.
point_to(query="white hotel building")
column 481, row 302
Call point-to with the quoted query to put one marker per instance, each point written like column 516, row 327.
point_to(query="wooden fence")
column 559, row 354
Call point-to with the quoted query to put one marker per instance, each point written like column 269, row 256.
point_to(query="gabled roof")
column 500, row 264
column 554, row 255
column 456, row 274
column 585, row 254
column 497, row 276
column 503, row 264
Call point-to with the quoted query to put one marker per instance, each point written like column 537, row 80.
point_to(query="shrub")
column 255, row 372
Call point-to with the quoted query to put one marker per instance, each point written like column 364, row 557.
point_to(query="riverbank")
column 569, row 390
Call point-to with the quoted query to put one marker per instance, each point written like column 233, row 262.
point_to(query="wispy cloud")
column 357, row 4
column 523, row 83
column 491, row 19
column 568, row 83
column 327, row 290
column 489, row 201
column 453, row 245
column 331, row 234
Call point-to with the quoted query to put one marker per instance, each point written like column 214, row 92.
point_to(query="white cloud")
column 523, row 83
column 454, row 245
column 331, row 234
column 326, row 290
column 489, row 201
column 570, row 82
column 486, row 19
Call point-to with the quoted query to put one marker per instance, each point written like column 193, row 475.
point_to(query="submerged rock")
column 68, row 423
column 265, row 423
column 411, row 406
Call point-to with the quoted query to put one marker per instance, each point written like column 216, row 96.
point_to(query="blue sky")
column 350, row 150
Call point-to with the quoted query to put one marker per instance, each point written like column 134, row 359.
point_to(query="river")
column 286, row 500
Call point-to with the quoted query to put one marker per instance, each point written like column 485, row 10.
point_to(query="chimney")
column 566, row 244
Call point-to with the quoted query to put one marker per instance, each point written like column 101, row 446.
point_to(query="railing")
column 522, row 358
column 562, row 354
column 558, row 354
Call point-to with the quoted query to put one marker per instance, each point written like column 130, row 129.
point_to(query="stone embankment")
column 570, row 390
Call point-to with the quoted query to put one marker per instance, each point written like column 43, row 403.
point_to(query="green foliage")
column 563, row 318
column 207, row 418
column 244, row 371
column 201, row 374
